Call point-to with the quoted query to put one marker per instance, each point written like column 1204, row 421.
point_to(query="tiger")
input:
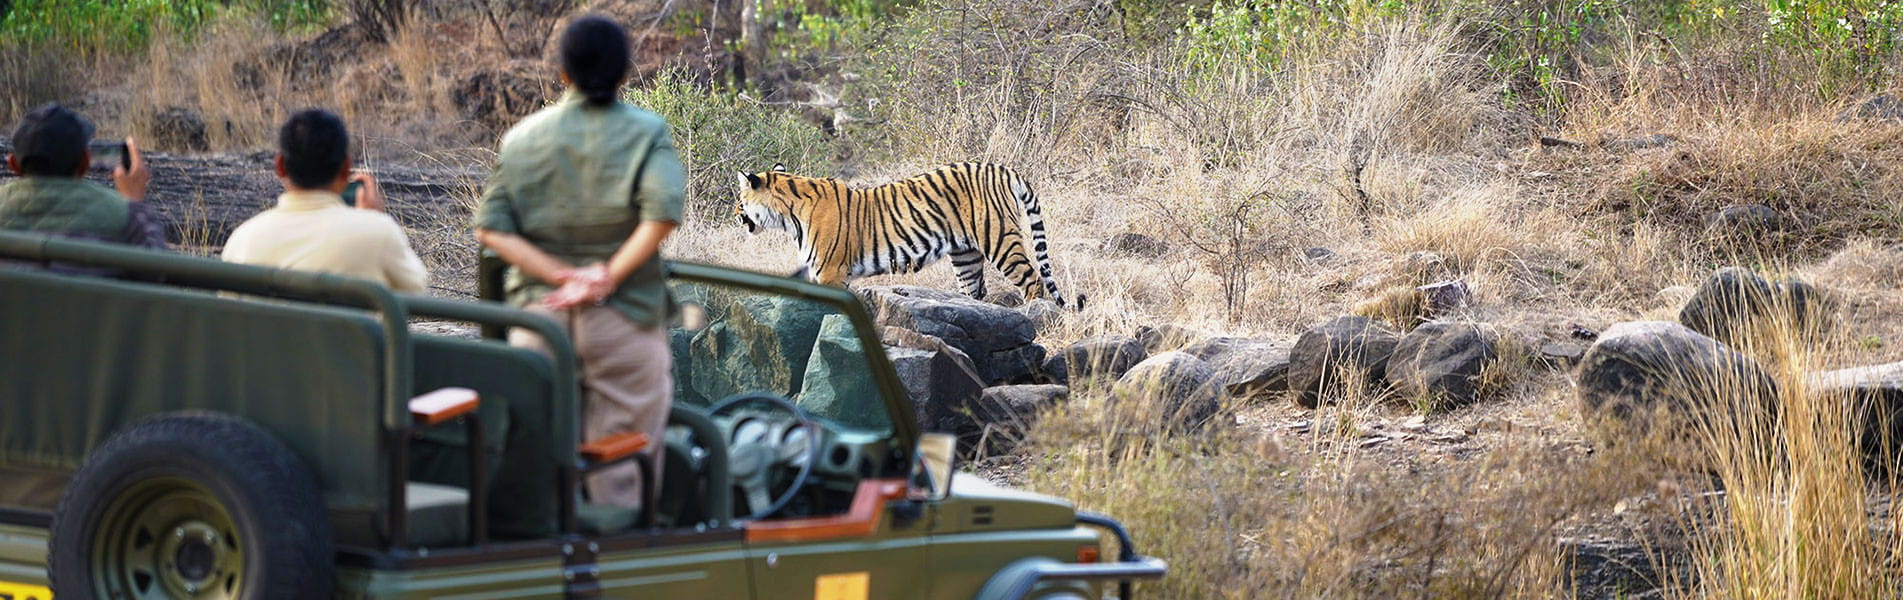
column 972, row 212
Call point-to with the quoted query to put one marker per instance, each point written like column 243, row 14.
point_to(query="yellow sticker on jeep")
column 842, row 586
column 20, row 591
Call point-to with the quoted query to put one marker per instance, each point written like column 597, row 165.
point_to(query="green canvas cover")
column 105, row 353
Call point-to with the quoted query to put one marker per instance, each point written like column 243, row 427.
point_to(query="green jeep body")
column 489, row 506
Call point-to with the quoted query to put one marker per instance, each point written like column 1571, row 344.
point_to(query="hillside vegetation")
column 1568, row 159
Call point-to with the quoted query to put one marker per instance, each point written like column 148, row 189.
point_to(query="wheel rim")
column 167, row 538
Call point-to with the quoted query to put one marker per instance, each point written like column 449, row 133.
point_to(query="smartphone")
column 350, row 192
column 108, row 154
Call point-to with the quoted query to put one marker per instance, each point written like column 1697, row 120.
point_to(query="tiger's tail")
column 1040, row 248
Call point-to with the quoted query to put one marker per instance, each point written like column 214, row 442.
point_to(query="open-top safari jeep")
column 208, row 430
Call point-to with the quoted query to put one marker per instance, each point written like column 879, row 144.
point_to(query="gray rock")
column 1881, row 107
column 680, row 343
column 1875, row 394
column 754, row 344
column 837, row 385
column 178, row 129
column 998, row 340
column 1178, row 386
column 938, row 378
column 1003, row 414
column 1254, row 374
column 1167, row 336
column 1134, row 244
column 1657, row 376
column 1445, row 297
column 1056, row 370
column 1440, row 361
column 1325, row 351
column 1319, row 254
column 1644, row 142
column 1745, row 220
column 1105, row 357
column 1734, row 302
column 1604, row 569
column 1726, row 306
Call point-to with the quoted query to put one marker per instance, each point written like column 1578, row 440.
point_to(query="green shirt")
column 575, row 180
column 77, row 208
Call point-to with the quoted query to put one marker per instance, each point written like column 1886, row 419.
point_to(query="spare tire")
column 191, row 505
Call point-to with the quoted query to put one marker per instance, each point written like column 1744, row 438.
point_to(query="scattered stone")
column 1553, row 142
column 1452, row 437
column 178, row 129
column 1178, row 387
column 1440, row 362
column 1319, row 254
column 998, row 340
column 1646, row 142
column 1246, row 368
column 1661, row 376
column 1445, row 298
column 1876, row 393
column 1605, row 569
column 1881, row 107
column 1298, row 426
column 1167, row 336
column 938, row 377
column 1134, row 244
column 1324, row 352
column 1745, row 221
column 1416, row 424
column 1374, row 441
column 1105, row 357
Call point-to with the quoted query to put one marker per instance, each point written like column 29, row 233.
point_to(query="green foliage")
column 719, row 134
column 1261, row 33
column 96, row 27
column 804, row 29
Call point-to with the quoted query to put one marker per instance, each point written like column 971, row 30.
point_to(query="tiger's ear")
column 777, row 167
column 750, row 180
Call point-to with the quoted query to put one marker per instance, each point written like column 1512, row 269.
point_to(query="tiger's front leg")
column 834, row 276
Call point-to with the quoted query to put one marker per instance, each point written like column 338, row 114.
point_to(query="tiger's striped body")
column 972, row 212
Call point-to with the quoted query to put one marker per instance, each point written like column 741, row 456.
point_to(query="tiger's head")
column 761, row 206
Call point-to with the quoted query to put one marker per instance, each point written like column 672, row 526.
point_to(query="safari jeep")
column 197, row 429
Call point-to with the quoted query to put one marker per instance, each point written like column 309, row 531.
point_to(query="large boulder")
column 1245, row 367
column 998, row 340
column 1178, row 387
column 838, row 384
column 1102, row 357
column 938, row 377
column 755, row 343
column 1440, row 362
column 1327, row 352
column 1875, row 397
column 1658, row 376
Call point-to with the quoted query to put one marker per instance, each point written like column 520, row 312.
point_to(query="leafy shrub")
column 718, row 134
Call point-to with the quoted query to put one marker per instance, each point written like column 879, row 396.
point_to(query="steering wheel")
column 757, row 447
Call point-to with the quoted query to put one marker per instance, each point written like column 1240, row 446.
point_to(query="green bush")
column 102, row 27
column 718, row 134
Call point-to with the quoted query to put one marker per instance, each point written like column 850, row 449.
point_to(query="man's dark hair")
column 314, row 144
column 50, row 141
column 595, row 55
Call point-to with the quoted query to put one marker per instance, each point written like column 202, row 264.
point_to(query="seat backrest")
column 80, row 357
column 516, row 386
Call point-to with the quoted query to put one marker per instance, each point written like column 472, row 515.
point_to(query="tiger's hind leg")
column 1016, row 265
column 970, row 266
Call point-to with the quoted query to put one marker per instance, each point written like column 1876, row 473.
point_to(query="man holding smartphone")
column 51, row 156
column 311, row 228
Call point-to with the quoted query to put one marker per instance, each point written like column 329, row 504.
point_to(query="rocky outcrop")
column 1659, row 376
column 1178, row 388
column 836, row 382
column 938, row 377
column 1105, row 357
column 1440, row 362
column 1327, row 352
column 998, row 340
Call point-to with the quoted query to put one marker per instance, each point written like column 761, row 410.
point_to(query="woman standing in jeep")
column 578, row 205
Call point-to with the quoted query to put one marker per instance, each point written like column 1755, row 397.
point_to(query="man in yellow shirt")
column 311, row 229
